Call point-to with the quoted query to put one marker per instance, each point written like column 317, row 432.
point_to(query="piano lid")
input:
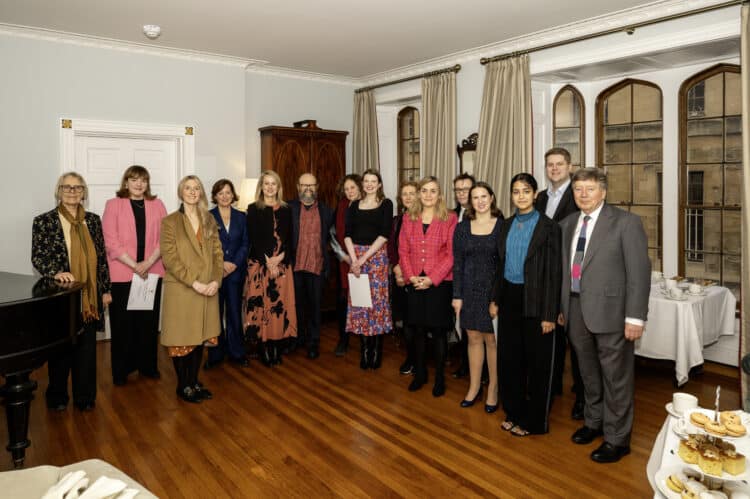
column 18, row 288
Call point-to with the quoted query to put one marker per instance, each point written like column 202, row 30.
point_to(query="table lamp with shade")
column 247, row 193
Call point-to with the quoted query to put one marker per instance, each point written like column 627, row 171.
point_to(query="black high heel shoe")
column 468, row 403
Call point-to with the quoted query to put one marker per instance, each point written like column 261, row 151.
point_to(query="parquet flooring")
column 324, row 428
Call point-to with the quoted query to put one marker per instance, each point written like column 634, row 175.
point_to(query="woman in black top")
column 368, row 227
column 268, row 307
column 527, row 298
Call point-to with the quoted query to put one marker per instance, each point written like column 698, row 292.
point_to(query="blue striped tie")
column 575, row 271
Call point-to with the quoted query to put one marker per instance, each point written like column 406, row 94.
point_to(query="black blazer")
column 262, row 236
column 566, row 207
column 326, row 220
column 542, row 271
column 49, row 254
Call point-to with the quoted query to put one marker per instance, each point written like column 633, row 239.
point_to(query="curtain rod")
column 629, row 29
column 452, row 69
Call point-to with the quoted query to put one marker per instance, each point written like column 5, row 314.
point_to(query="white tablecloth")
column 678, row 330
column 665, row 441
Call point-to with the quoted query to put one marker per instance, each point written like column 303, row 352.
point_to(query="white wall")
column 279, row 100
column 43, row 81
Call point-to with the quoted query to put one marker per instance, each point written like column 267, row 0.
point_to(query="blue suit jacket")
column 234, row 243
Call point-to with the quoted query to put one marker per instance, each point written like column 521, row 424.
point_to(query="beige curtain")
column 504, row 146
column 745, row 232
column 439, row 130
column 365, row 136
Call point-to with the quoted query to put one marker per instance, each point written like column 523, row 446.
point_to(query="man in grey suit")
column 604, row 304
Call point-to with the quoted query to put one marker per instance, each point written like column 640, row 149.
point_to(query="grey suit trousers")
column 606, row 361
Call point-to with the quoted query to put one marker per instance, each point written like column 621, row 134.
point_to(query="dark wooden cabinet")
column 305, row 148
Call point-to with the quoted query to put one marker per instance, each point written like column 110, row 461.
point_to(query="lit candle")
column 718, row 394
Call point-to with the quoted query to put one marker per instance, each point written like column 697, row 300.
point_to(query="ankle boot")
column 276, row 356
column 363, row 353
column 265, row 354
column 377, row 357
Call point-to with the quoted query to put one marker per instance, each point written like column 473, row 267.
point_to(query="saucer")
column 681, row 298
column 670, row 409
column 702, row 293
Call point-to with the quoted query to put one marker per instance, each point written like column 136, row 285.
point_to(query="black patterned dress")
column 474, row 269
column 268, row 307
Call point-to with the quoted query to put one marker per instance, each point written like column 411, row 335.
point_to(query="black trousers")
column 308, row 289
column 525, row 358
column 416, row 336
column 134, row 343
column 79, row 359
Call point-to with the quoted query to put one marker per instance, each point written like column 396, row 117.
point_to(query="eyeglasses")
column 308, row 186
column 71, row 188
column 462, row 190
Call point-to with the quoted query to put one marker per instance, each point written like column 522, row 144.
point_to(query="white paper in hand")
column 142, row 292
column 359, row 290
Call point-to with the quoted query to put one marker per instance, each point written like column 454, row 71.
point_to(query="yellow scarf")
column 83, row 260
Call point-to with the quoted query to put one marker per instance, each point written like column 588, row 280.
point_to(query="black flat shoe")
column 577, row 412
column 461, row 372
column 468, row 403
column 203, row 392
column 341, row 348
column 416, row 384
column 313, row 353
column 438, row 389
column 585, row 435
column 57, row 407
column 608, row 453
column 188, row 394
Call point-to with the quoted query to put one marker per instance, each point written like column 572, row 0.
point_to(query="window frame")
column 581, row 127
column 601, row 98
column 682, row 165
column 401, row 142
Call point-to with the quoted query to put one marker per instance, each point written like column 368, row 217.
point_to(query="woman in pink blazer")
column 132, row 225
column 426, row 259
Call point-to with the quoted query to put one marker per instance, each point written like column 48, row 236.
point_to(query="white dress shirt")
column 554, row 197
column 461, row 214
column 589, row 231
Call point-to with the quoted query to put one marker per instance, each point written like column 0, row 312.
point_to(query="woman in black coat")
column 527, row 297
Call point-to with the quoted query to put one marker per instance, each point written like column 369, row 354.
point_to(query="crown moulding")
column 569, row 31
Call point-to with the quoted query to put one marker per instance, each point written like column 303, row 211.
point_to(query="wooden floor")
column 324, row 428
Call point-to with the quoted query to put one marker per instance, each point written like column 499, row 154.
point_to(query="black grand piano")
column 38, row 316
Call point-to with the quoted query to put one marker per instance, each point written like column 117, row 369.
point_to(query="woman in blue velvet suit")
column 234, row 243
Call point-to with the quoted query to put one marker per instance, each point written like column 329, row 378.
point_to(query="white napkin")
column 77, row 488
column 104, row 487
column 67, row 482
column 128, row 494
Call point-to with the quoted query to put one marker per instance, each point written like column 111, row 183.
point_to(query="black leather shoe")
column 313, row 353
column 203, row 392
column 585, row 435
column 608, row 453
column 416, row 384
column 241, row 361
column 468, row 403
column 461, row 372
column 188, row 394
column 577, row 412
column 438, row 389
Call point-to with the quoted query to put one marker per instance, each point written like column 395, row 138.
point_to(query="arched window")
column 629, row 147
column 569, row 123
column 711, row 175
column 408, row 144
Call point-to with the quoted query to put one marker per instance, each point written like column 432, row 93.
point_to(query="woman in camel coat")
column 193, row 259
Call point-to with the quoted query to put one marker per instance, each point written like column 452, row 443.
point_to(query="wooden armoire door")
column 328, row 165
column 289, row 157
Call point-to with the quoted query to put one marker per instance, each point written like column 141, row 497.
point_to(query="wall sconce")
column 247, row 192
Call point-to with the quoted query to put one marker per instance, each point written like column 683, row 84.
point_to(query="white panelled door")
column 102, row 161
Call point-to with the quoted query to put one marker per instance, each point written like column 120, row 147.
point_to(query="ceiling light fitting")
column 152, row 31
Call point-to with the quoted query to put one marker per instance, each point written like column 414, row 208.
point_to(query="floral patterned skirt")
column 268, row 307
column 375, row 320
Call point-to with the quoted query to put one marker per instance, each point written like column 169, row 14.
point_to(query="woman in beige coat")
column 193, row 260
